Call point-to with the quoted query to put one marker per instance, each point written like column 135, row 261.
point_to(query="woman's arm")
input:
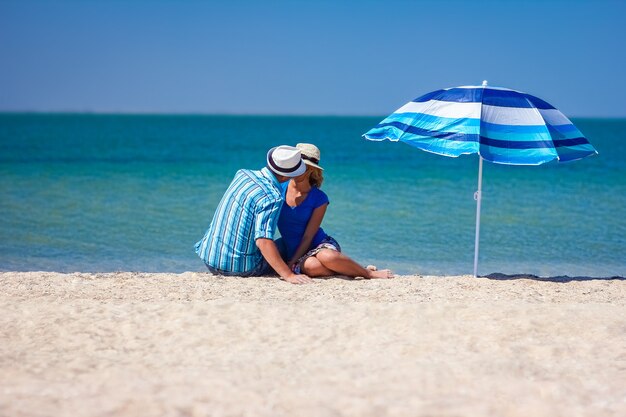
column 311, row 229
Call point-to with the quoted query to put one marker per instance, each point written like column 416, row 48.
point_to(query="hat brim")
column 312, row 164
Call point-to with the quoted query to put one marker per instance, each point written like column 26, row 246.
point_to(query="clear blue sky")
column 305, row 57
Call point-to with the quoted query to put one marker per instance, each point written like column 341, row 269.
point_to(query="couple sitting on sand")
column 240, row 239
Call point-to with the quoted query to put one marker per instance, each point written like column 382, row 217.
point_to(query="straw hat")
column 310, row 154
column 286, row 161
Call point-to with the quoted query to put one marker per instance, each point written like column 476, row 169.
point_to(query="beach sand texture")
column 193, row 344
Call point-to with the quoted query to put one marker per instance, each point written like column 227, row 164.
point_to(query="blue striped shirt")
column 248, row 211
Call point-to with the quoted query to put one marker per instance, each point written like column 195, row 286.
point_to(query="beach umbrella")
column 502, row 126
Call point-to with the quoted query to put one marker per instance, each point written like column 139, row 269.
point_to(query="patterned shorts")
column 327, row 243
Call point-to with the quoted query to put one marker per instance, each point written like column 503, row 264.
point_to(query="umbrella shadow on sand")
column 562, row 278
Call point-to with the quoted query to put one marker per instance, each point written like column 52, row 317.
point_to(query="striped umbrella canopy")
column 501, row 125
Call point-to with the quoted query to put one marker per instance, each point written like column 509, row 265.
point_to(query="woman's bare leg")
column 314, row 268
column 340, row 263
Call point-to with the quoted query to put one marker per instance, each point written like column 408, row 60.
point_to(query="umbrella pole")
column 478, row 197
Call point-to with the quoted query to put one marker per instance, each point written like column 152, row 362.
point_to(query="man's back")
column 248, row 211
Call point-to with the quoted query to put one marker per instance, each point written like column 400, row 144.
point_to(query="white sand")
column 128, row 344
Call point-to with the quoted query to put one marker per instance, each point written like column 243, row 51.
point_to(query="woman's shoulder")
column 319, row 195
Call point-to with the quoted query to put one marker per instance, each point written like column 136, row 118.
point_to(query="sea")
column 109, row 192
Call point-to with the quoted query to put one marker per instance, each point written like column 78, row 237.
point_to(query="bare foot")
column 383, row 273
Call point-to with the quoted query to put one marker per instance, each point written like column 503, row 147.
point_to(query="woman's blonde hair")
column 316, row 178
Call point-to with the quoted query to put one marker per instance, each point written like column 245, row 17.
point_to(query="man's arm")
column 272, row 256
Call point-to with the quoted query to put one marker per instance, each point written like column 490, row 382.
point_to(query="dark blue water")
column 128, row 192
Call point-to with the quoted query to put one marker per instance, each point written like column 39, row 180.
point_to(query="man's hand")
column 298, row 279
column 272, row 256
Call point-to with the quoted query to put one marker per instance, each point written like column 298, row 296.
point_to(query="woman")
column 309, row 249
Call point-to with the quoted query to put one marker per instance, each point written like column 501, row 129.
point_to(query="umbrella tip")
column 484, row 83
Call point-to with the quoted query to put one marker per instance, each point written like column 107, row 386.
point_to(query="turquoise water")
column 134, row 193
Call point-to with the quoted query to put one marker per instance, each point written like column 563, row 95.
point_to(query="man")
column 240, row 239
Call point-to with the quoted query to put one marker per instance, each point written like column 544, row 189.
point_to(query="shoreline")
column 127, row 343
column 196, row 286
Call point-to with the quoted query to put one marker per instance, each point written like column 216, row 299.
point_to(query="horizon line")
column 233, row 114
